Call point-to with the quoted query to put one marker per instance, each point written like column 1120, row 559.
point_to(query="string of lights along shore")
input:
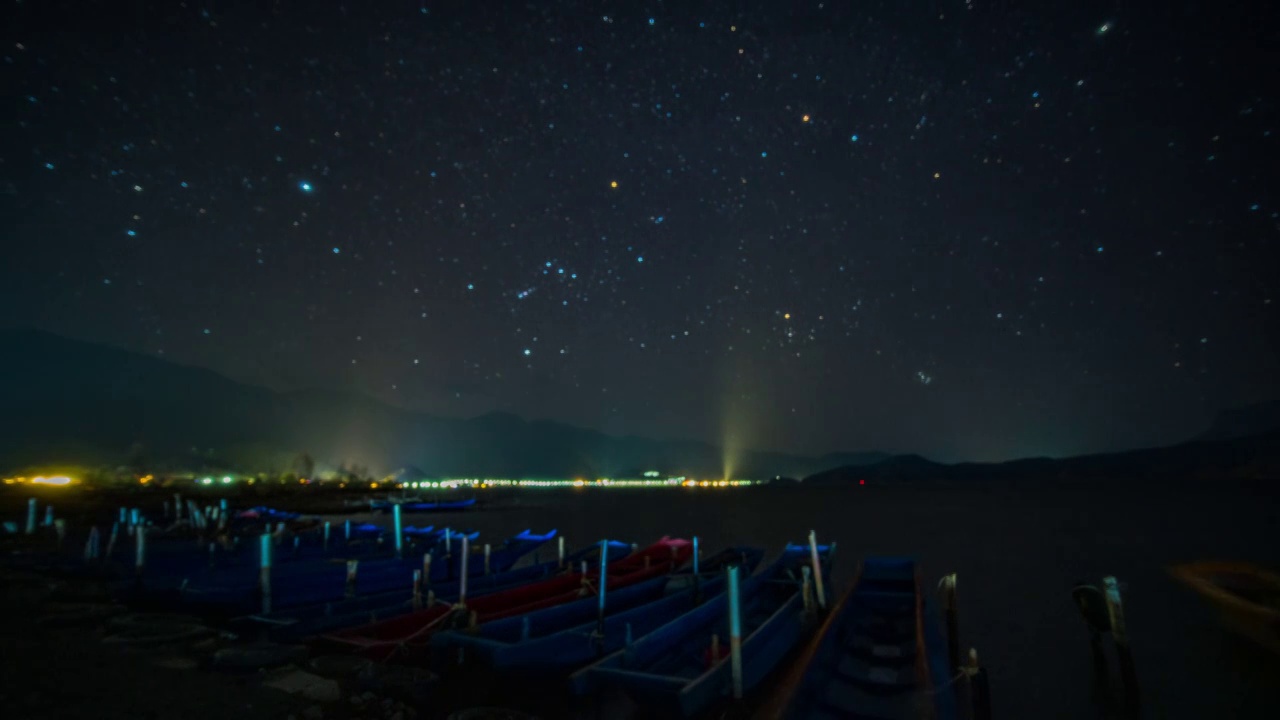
column 966, row 228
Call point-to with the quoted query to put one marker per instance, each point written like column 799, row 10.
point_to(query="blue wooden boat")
column 312, row 582
column 307, row 620
column 194, row 567
column 677, row 670
column 422, row 506
column 881, row 654
column 262, row 513
column 566, row 636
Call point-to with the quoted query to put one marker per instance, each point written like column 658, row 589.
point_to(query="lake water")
column 1017, row 552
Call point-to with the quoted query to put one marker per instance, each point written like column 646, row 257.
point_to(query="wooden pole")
column 948, row 590
column 979, row 689
column 353, row 566
column 111, row 541
column 697, row 581
column 264, row 571
column 462, row 586
column 1119, row 633
column 91, row 545
column 735, row 633
column 140, row 550
column 604, row 578
column 395, row 515
column 806, row 587
column 817, row 570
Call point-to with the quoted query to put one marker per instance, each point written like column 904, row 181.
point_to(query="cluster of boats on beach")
column 676, row 631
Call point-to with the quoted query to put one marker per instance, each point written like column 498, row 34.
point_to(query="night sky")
column 974, row 230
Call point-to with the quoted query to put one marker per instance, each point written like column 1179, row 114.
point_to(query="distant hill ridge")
column 70, row 401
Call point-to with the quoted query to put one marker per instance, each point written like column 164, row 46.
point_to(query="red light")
column 862, row 482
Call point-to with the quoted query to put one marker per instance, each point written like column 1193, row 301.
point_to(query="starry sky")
column 973, row 229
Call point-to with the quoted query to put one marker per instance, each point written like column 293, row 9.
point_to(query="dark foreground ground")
column 1017, row 551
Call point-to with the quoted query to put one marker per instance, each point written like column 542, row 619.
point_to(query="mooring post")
column 817, row 570
column 395, row 515
column 177, row 506
column 264, row 571
column 486, row 558
column 426, row 568
column 448, row 544
column 1119, row 634
column 346, row 531
column 111, row 540
column 560, row 550
column 806, row 587
column 60, row 528
column 735, row 633
column 697, row 581
column 462, row 563
column 947, row 588
column 327, row 525
column 979, row 689
column 417, row 589
column 604, row 583
column 91, row 545
column 32, row 509
column 140, row 550
column 353, row 566
column 48, row 516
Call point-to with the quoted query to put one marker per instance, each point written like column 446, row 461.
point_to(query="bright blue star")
column 305, row 186
column 1099, row 248
column 650, row 21
column 658, row 220
column 1035, row 94
column 853, row 138
column 131, row 233
column 764, row 154
column 48, row 166
column 183, row 183
column 336, row 251
column 527, row 352
column 639, row 258
column 1253, row 206
column 471, row 286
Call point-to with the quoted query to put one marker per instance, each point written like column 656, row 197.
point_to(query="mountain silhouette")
column 68, row 401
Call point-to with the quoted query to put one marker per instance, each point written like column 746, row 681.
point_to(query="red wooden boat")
column 409, row 636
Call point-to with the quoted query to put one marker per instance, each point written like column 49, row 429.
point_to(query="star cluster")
column 954, row 228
